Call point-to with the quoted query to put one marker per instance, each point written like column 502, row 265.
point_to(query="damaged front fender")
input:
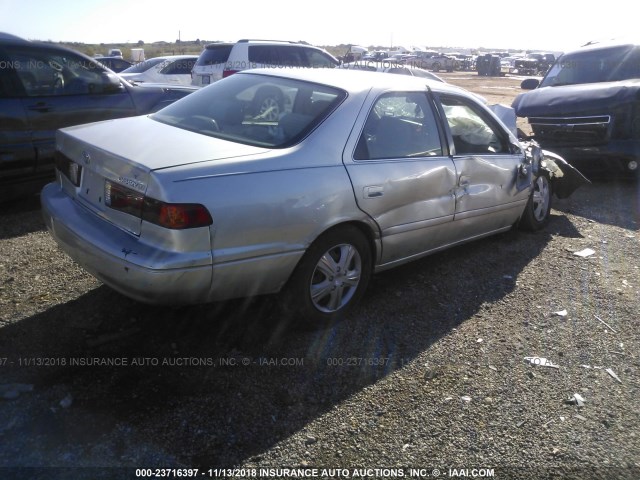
column 565, row 178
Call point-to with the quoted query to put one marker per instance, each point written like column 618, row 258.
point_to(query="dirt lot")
column 429, row 373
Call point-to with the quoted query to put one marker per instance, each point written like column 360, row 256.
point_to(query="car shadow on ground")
column 216, row 385
column 20, row 217
column 597, row 202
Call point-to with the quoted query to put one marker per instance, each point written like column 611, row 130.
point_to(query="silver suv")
column 219, row 60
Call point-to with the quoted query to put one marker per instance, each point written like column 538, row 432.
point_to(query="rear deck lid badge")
column 133, row 183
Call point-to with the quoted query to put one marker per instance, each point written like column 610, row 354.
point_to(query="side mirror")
column 530, row 84
column 111, row 83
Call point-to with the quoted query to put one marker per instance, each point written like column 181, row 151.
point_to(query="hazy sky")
column 550, row 25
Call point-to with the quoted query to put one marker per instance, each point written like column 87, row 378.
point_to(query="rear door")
column 17, row 154
column 62, row 89
column 402, row 176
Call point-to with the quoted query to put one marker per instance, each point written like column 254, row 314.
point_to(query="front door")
column 491, row 185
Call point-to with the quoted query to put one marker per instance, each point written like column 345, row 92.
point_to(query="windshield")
column 144, row 66
column 254, row 109
column 594, row 66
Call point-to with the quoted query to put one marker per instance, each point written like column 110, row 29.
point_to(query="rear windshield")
column 594, row 66
column 144, row 66
column 214, row 55
column 254, row 109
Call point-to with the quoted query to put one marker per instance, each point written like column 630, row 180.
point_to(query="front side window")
column 472, row 131
column 316, row 59
column 53, row 73
column 144, row 66
column 400, row 125
column 258, row 110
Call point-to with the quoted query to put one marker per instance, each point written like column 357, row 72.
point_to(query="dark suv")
column 45, row 87
column 587, row 108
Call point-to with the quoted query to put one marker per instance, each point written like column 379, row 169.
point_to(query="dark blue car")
column 44, row 87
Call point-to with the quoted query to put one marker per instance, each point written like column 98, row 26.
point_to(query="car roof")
column 11, row 38
column 260, row 42
column 8, row 39
column 174, row 57
column 604, row 44
column 354, row 81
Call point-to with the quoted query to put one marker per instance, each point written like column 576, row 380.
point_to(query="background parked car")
column 587, row 108
column 114, row 64
column 219, row 60
column 435, row 61
column 545, row 60
column 377, row 55
column 209, row 199
column 174, row 70
column 44, row 87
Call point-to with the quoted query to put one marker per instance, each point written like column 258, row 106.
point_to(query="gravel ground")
column 428, row 373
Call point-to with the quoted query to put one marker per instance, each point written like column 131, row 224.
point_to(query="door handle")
column 40, row 107
column 373, row 191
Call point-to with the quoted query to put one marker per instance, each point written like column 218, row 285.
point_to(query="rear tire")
column 538, row 209
column 330, row 278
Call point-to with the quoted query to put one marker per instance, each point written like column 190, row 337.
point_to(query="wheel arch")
column 368, row 230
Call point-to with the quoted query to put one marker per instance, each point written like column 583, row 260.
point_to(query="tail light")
column 177, row 216
column 228, row 73
column 68, row 168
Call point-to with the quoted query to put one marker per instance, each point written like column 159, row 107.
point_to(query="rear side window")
column 277, row 56
column 144, row 66
column 179, row 67
column 214, row 55
column 400, row 125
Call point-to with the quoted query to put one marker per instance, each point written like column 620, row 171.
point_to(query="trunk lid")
column 125, row 152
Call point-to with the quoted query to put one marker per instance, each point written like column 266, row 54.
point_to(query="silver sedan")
column 299, row 182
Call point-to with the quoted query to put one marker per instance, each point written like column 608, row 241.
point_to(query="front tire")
column 330, row 278
column 538, row 209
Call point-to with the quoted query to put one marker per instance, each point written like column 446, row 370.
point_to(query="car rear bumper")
column 120, row 260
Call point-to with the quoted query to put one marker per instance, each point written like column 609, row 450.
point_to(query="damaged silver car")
column 356, row 172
